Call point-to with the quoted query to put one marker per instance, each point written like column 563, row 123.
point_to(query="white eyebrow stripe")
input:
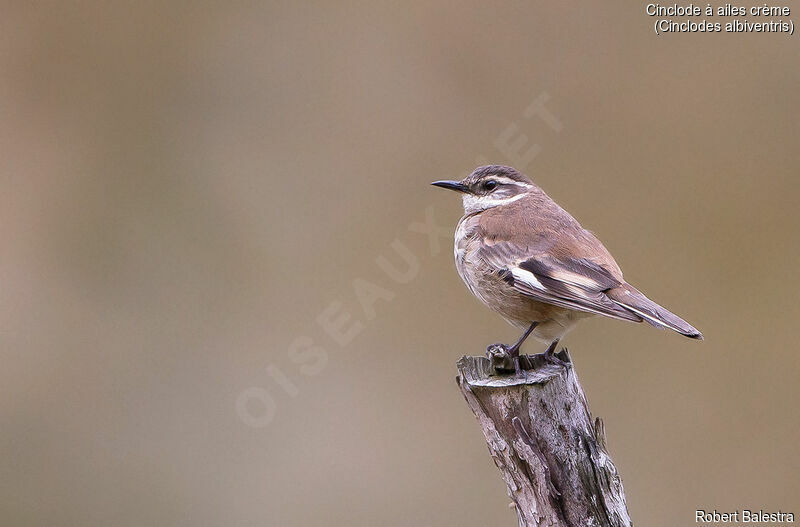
column 509, row 181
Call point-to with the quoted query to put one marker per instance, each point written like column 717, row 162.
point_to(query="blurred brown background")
column 188, row 186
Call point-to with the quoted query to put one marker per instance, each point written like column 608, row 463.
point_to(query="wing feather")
column 573, row 283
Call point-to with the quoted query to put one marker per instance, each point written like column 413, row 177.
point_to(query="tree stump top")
column 535, row 369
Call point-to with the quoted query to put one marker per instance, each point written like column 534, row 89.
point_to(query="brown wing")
column 573, row 283
column 553, row 259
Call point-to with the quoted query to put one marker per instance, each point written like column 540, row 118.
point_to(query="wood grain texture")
column 541, row 435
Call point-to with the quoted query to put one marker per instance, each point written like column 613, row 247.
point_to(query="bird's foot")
column 551, row 356
column 502, row 358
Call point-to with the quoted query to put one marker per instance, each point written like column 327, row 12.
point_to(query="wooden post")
column 542, row 437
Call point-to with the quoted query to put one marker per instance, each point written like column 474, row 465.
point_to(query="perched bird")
column 530, row 261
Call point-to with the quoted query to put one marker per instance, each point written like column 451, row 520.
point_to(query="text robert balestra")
column 742, row 516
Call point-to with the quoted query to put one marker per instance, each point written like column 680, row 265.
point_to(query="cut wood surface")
column 542, row 437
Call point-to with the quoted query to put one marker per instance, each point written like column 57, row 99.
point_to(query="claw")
column 500, row 359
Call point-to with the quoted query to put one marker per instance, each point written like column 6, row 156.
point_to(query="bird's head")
column 490, row 186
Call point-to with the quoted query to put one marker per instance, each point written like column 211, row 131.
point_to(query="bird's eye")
column 489, row 185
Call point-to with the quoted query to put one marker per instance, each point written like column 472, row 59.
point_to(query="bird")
column 529, row 260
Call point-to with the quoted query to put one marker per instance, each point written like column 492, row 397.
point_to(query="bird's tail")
column 633, row 300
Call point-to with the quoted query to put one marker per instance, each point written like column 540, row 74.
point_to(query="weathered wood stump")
column 542, row 437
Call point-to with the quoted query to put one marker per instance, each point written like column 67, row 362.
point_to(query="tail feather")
column 632, row 299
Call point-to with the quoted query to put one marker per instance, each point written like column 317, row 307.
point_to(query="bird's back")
column 530, row 258
column 542, row 227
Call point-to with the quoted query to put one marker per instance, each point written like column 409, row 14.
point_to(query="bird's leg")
column 514, row 350
column 551, row 349
column 506, row 358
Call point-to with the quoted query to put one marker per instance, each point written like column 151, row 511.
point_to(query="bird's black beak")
column 452, row 185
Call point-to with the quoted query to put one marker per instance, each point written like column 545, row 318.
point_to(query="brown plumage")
column 529, row 260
